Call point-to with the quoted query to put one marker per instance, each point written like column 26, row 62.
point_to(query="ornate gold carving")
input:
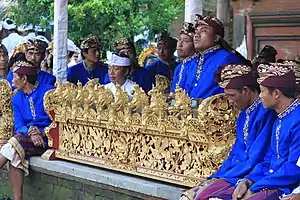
column 6, row 114
column 143, row 137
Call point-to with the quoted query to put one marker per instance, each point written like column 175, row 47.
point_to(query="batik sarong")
column 226, row 194
column 18, row 151
column 203, row 191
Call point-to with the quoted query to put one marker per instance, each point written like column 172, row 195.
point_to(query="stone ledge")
column 90, row 175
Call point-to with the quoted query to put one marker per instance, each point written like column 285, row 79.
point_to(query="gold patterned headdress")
column 24, row 67
column 124, row 43
column 188, row 29
column 281, row 75
column 235, row 76
column 163, row 39
column 50, row 48
column 91, row 42
column 214, row 22
column 37, row 45
column 150, row 50
column 21, row 48
column 295, row 66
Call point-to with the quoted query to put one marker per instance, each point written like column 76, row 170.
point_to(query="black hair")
column 82, row 53
column 225, row 45
column 253, row 88
column 30, row 78
column 123, row 55
column 70, row 54
column 288, row 92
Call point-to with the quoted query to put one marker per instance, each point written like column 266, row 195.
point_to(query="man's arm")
column 289, row 173
column 263, row 131
column 19, row 124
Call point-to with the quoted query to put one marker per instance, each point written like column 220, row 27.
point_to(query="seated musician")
column 3, row 61
column 187, row 55
column 30, row 120
column 118, row 70
column 35, row 52
column 166, row 63
column 213, row 53
column 253, row 130
column 138, row 74
column 278, row 174
column 90, row 67
column 266, row 55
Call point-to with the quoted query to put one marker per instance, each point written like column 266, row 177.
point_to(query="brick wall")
column 273, row 22
column 246, row 6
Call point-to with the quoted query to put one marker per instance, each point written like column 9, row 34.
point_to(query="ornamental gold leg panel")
column 6, row 114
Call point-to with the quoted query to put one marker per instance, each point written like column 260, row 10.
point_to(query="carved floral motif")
column 6, row 114
column 144, row 136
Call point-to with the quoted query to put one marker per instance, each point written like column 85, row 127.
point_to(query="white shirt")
column 126, row 87
column 72, row 63
column 30, row 36
column 12, row 41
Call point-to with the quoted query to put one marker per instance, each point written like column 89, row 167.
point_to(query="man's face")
column 164, row 52
column 204, row 37
column 3, row 60
column 93, row 55
column 35, row 56
column 18, row 82
column 128, row 50
column 117, row 74
column 185, row 46
column 238, row 99
column 268, row 98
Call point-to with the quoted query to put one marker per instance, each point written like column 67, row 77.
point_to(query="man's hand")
column 248, row 194
column 241, row 189
column 33, row 130
column 37, row 141
column 209, row 182
column 292, row 197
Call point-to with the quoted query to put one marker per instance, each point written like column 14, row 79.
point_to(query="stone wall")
column 59, row 180
column 40, row 186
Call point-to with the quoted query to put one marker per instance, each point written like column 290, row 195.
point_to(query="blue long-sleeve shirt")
column 180, row 73
column 279, row 168
column 80, row 73
column 28, row 109
column 250, row 150
column 161, row 68
column 204, row 85
column 42, row 77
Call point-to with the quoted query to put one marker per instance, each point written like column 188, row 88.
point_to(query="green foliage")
column 109, row 19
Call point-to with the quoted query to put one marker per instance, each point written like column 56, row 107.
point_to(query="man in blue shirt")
column 253, row 130
column 278, row 173
column 209, row 43
column 187, row 55
column 137, row 74
column 166, row 63
column 90, row 67
column 35, row 52
column 3, row 61
column 30, row 120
